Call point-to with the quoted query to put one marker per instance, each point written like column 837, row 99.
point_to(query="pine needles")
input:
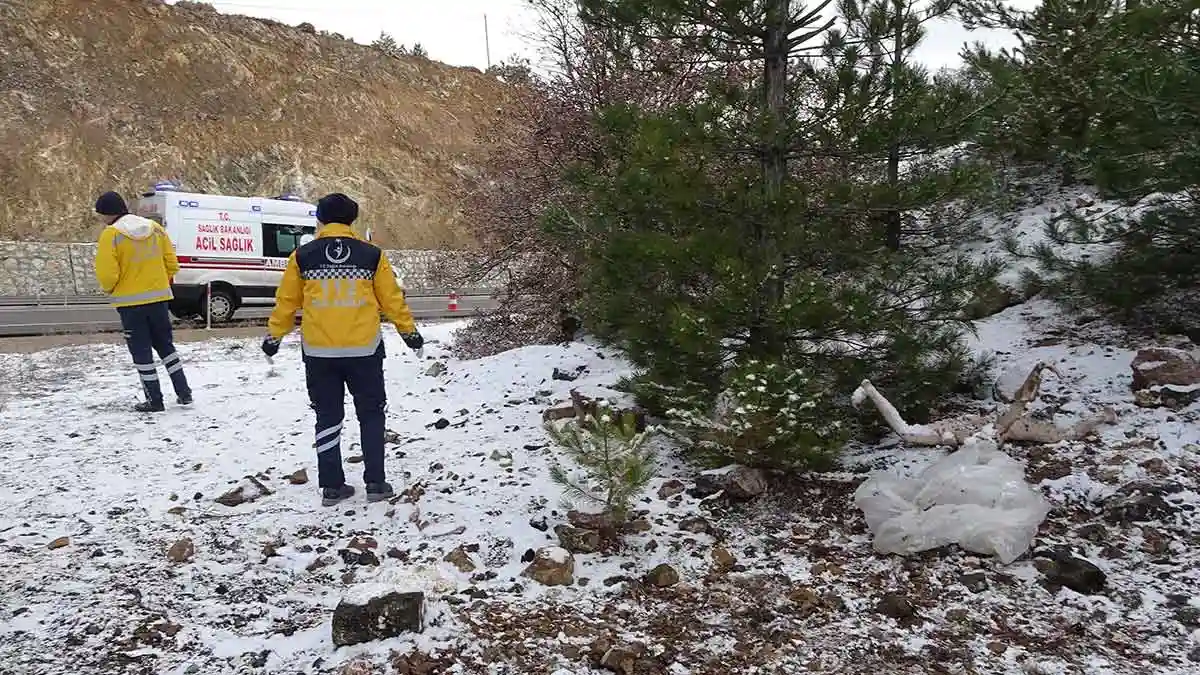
column 614, row 466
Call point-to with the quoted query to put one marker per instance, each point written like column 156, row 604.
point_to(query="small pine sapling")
column 608, row 448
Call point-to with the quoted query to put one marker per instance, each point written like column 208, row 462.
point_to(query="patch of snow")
column 556, row 554
column 1027, row 226
column 1177, row 388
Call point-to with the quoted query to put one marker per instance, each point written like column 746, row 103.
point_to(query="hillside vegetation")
column 100, row 94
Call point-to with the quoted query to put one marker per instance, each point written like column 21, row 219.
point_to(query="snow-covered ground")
column 95, row 496
column 123, row 488
column 1026, row 226
column 807, row 593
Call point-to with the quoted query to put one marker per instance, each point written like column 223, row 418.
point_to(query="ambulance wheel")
column 221, row 305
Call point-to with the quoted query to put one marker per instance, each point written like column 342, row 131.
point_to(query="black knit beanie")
column 111, row 204
column 337, row 208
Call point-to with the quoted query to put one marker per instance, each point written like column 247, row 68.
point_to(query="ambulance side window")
column 280, row 240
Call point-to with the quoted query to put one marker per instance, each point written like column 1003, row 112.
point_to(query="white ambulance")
column 237, row 246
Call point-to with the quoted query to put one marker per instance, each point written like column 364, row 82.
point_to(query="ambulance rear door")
column 219, row 238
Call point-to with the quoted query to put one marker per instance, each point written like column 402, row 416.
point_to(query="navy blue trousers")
column 328, row 379
column 148, row 330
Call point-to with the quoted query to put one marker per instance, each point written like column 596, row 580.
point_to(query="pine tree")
column 607, row 445
column 900, row 117
column 734, row 244
column 1062, row 46
column 387, row 44
column 996, row 82
column 1140, row 89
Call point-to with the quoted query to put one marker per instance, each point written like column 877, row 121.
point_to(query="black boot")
column 377, row 492
column 185, row 399
column 149, row 407
column 332, row 496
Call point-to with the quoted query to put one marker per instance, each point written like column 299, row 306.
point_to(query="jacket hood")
column 134, row 227
column 337, row 230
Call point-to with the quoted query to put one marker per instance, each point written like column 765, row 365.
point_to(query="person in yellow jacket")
column 342, row 283
column 135, row 263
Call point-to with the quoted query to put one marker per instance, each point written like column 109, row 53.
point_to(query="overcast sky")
column 452, row 31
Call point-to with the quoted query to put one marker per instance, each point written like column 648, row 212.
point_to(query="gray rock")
column 662, row 576
column 1158, row 366
column 249, row 490
column 379, row 618
column 739, row 483
column 578, row 540
column 1062, row 568
column 552, row 566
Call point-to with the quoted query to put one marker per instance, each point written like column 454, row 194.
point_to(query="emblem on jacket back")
column 337, row 252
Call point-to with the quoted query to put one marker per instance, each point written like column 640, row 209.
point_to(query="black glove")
column 270, row 345
column 413, row 340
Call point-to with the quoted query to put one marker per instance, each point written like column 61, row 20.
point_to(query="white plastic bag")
column 976, row 497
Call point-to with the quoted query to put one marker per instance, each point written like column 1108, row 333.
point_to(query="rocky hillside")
column 100, row 94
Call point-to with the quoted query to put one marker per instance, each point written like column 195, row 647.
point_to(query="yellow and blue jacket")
column 342, row 283
column 135, row 262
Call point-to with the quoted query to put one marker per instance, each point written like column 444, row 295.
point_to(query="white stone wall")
column 52, row 269
column 34, row 269
column 83, row 265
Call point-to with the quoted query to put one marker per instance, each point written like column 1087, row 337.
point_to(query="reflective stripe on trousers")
column 148, row 296
column 343, row 352
column 329, row 438
column 172, row 363
column 146, row 372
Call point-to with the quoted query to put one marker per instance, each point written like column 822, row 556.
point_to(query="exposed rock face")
column 228, row 104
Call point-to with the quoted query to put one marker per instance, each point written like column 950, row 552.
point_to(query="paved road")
column 91, row 318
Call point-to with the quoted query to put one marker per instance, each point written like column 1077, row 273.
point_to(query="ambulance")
column 236, row 246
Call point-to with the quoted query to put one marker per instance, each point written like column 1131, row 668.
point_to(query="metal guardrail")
column 67, row 300
column 52, row 300
column 40, row 320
